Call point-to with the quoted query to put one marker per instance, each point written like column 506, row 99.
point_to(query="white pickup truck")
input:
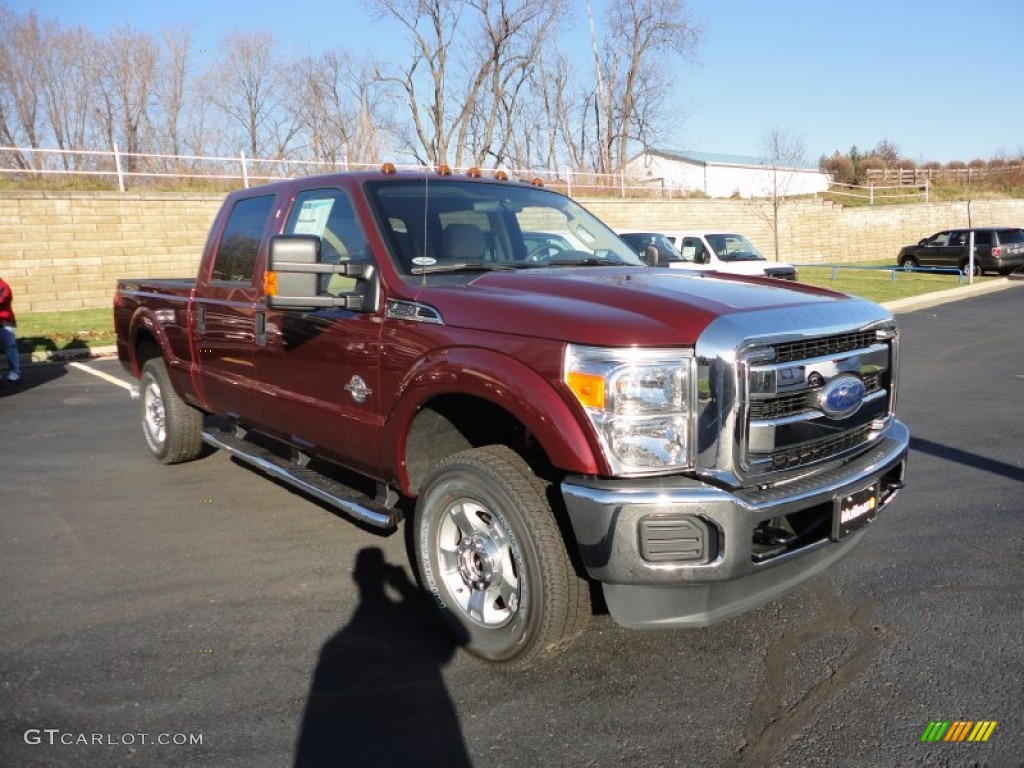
column 719, row 251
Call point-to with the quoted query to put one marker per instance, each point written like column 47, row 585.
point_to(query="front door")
column 320, row 371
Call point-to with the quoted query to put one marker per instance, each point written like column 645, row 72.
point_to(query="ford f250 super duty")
column 554, row 413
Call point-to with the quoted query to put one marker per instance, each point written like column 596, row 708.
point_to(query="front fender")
column 508, row 384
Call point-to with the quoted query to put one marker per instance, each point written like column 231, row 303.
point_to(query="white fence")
column 147, row 170
column 875, row 193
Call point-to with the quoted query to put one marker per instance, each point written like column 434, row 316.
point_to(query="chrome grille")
column 829, row 345
column 788, row 405
column 799, row 455
column 785, row 424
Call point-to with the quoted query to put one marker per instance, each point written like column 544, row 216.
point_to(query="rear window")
column 236, row 255
column 1011, row 235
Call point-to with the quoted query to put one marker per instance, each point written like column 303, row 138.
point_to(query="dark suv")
column 996, row 249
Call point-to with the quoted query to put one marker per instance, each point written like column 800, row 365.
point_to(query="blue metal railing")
column 893, row 270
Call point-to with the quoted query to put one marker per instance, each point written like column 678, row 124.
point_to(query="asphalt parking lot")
column 201, row 615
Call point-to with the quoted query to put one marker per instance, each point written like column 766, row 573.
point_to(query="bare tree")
column 20, row 74
column 72, row 79
column 784, row 153
column 172, row 85
column 248, row 89
column 889, row 153
column 460, row 108
column 512, row 33
column 631, row 61
column 340, row 108
column 129, row 79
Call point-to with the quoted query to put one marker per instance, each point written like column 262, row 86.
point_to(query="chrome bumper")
column 721, row 576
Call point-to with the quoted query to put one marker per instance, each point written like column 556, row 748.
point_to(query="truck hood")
column 610, row 305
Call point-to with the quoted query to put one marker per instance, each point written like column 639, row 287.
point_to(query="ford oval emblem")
column 842, row 397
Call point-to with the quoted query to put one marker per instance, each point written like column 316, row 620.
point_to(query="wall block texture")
column 65, row 250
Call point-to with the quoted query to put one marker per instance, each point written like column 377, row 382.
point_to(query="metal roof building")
column 719, row 175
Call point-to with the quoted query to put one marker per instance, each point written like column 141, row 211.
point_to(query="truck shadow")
column 378, row 697
column 965, row 458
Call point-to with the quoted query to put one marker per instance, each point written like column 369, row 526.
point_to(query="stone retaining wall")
column 65, row 250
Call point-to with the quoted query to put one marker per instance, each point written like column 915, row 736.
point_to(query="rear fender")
column 145, row 324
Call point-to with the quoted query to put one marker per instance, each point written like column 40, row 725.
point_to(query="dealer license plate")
column 854, row 511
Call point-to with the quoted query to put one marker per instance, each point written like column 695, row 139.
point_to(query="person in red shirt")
column 8, row 324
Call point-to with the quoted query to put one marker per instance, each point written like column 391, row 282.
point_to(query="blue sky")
column 940, row 79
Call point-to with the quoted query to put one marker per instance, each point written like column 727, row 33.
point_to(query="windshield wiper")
column 593, row 261
column 462, row 266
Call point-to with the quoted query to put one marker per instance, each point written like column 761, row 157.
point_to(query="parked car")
column 996, row 249
column 728, row 252
column 719, row 251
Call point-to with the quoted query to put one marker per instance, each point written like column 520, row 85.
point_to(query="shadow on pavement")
column 31, row 376
column 965, row 458
column 378, row 697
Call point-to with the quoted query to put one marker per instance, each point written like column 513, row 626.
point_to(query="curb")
column 926, row 300
column 64, row 355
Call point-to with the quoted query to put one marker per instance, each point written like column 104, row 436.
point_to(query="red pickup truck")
column 554, row 412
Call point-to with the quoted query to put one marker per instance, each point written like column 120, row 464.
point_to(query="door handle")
column 201, row 319
column 261, row 329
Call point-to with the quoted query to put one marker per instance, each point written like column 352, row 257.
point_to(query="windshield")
column 440, row 225
column 734, row 248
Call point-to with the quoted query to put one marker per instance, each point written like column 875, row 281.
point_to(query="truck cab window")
column 328, row 214
column 236, row 254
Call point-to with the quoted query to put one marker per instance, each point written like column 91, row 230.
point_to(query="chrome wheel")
column 478, row 564
column 490, row 553
column 172, row 428
column 154, row 417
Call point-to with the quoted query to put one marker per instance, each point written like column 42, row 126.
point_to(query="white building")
column 723, row 175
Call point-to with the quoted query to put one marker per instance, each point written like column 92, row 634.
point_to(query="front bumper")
column 725, row 572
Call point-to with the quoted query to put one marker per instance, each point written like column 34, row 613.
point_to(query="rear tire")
column 172, row 428
column 965, row 267
column 491, row 554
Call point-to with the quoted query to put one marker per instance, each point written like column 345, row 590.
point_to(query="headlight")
column 640, row 401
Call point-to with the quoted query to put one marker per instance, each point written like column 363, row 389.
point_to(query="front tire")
column 173, row 428
column 490, row 552
column 909, row 264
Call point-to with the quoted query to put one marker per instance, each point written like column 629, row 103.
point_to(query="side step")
column 348, row 500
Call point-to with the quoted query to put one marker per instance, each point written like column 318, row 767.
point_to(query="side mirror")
column 291, row 280
column 650, row 256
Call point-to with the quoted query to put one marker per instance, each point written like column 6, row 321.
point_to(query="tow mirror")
column 292, row 277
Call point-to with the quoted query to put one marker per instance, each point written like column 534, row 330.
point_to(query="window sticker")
column 312, row 218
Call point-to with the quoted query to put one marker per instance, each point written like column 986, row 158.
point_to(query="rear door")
column 224, row 322
column 983, row 242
